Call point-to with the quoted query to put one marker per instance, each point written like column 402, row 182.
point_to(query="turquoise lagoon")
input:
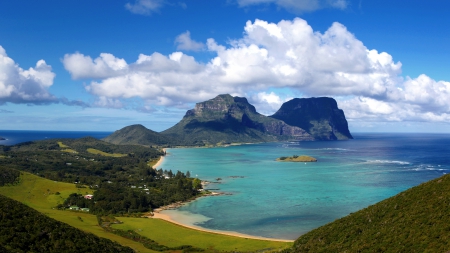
column 285, row 200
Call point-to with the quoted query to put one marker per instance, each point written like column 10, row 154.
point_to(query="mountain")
column 416, row 220
column 227, row 119
column 320, row 117
column 139, row 135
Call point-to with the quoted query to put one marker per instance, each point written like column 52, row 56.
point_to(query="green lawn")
column 40, row 194
column 99, row 152
column 173, row 235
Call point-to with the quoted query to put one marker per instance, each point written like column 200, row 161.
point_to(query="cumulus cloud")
column 184, row 42
column 25, row 86
column 144, row 7
column 285, row 55
column 298, row 6
column 104, row 66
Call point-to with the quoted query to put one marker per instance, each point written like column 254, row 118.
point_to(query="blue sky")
column 102, row 65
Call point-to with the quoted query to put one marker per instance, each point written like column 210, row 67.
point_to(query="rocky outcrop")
column 320, row 117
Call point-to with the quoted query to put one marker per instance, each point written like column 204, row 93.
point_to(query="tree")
column 197, row 184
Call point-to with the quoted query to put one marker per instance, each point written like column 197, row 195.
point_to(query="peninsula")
column 296, row 158
column 2, row 139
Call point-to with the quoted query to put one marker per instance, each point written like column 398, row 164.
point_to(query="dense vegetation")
column 122, row 182
column 9, row 176
column 23, row 229
column 296, row 158
column 416, row 220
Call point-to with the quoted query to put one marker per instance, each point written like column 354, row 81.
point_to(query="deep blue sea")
column 17, row 136
column 285, row 200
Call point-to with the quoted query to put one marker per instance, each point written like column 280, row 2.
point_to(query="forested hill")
column 140, row 135
column 416, row 220
column 121, row 175
column 23, row 229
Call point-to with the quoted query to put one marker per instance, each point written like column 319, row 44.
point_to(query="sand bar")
column 230, row 233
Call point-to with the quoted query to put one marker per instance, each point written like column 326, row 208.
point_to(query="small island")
column 296, row 158
column 2, row 139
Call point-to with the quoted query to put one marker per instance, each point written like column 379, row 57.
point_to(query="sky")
column 100, row 65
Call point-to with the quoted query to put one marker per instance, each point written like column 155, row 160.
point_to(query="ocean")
column 285, row 200
column 17, row 136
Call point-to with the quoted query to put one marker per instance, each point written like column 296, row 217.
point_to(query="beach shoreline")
column 168, row 218
column 161, row 159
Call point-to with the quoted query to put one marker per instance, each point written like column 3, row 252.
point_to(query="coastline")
column 156, row 214
column 229, row 233
column 159, row 162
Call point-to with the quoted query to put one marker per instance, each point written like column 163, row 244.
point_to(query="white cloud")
column 145, row 7
column 298, row 6
column 81, row 66
column 287, row 55
column 25, row 86
column 267, row 103
column 184, row 42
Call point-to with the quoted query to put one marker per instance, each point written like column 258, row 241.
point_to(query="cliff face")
column 227, row 119
column 320, row 117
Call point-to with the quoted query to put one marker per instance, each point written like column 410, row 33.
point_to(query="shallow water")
column 284, row 200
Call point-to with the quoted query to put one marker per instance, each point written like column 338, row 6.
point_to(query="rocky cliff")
column 227, row 119
column 320, row 117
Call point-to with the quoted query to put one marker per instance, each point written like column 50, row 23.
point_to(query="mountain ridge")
column 226, row 119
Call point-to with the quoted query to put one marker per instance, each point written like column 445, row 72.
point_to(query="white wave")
column 427, row 167
column 387, row 162
column 338, row 149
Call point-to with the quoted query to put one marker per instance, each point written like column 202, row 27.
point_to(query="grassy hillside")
column 23, row 229
column 416, row 220
column 40, row 194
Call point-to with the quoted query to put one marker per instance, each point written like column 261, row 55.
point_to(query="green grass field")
column 62, row 145
column 99, row 152
column 172, row 235
column 40, row 194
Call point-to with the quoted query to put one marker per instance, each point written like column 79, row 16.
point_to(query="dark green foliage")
column 320, row 117
column 23, row 229
column 416, row 220
column 116, row 198
column 45, row 158
column 119, row 182
column 9, row 176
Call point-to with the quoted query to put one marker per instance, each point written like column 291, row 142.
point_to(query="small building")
column 89, row 196
column 85, row 209
column 75, row 208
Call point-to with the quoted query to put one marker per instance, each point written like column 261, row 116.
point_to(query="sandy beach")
column 161, row 159
column 230, row 233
